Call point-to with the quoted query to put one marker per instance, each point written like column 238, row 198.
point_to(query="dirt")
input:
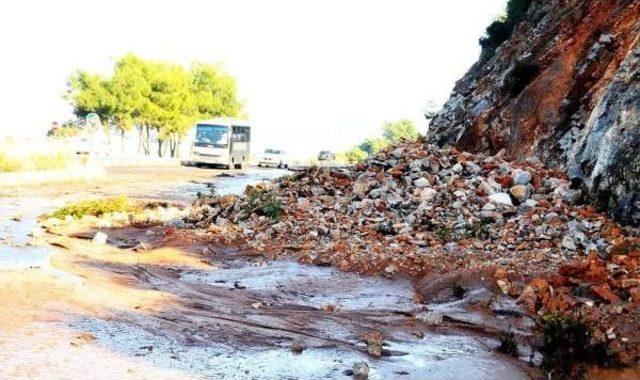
column 186, row 308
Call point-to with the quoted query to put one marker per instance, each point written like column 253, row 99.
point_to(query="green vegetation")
column 353, row 155
column 403, row 129
column 153, row 95
column 392, row 132
column 470, row 231
column 568, row 346
column 67, row 130
column 501, row 29
column 96, row 207
column 264, row 203
column 35, row 162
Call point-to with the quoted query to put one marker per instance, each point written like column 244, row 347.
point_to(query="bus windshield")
column 216, row 136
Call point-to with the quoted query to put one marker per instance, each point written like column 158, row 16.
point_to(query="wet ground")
column 187, row 309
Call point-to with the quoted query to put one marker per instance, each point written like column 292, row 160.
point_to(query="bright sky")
column 313, row 74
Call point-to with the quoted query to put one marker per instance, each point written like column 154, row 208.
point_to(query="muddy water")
column 238, row 317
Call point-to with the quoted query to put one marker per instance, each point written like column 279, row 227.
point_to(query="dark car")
column 326, row 155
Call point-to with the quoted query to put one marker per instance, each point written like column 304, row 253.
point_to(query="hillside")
column 564, row 88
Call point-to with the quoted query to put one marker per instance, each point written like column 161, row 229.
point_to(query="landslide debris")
column 418, row 210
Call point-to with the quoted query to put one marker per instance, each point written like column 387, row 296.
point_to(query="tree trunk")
column 173, row 144
column 122, row 141
column 147, row 148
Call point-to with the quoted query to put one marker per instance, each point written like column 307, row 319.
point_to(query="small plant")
column 96, row 207
column 508, row 344
column 444, row 234
column 568, row 346
column 459, row 291
column 263, row 203
column 478, row 231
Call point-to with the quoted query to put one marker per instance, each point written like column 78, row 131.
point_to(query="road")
column 190, row 309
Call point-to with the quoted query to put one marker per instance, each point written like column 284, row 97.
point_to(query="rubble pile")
column 415, row 210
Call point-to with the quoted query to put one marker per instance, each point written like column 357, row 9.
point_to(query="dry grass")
column 34, row 162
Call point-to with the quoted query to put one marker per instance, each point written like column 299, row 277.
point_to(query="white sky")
column 312, row 74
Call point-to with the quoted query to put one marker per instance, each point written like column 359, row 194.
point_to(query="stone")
column 428, row 194
column 37, row 232
column 568, row 243
column 360, row 370
column 521, row 177
column 431, row 318
column 297, row 346
column 361, row 187
column 421, row 182
column 99, row 238
column 501, row 199
column 457, row 168
column 520, row 192
column 604, row 292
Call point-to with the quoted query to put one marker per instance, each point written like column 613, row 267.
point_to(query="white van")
column 221, row 141
column 273, row 157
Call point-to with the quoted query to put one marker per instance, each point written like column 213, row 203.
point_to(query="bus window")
column 215, row 136
column 241, row 134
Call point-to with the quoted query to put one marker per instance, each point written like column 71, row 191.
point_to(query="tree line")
column 155, row 96
column 392, row 132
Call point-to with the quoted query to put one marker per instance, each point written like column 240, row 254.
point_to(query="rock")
column 457, row 168
column 421, row 182
column 604, row 292
column 588, row 125
column 99, row 238
column 361, row 187
column 501, row 199
column 521, row 177
column 297, row 346
column 428, row 194
column 568, row 243
column 37, row 232
column 520, row 192
column 359, row 370
column 431, row 318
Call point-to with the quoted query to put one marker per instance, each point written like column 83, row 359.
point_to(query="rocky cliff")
column 564, row 88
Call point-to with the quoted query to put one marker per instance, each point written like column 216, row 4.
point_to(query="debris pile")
column 414, row 210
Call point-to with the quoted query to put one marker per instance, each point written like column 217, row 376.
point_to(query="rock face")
column 565, row 88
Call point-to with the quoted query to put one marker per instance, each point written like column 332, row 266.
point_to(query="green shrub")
column 66, row 131
column 96, row 207
column 263, row 203
column 568, row 345
column 354, row 155
column 500, row 30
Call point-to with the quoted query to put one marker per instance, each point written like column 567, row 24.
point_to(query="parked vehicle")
column 326, row 155
column 274, row 157
column 222, row 141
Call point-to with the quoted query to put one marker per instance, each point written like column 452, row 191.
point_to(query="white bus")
column 222, row 141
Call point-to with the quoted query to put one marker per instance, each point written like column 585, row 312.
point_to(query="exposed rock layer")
column 564, row 88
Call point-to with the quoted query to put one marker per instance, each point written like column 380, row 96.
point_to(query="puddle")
column 234, row 183
column 310, row 285
column 16, row 251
